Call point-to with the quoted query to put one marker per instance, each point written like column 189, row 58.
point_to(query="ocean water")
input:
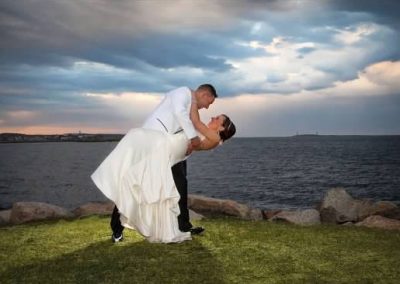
column 269, row 173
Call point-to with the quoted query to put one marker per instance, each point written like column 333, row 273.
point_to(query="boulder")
column 215, row 206
column 299, row 217
column 94, row 208
column 268, row 214
column 22, row 212
column 254, row 214
column 386, row 209
column 5, row 217
column 392, row 213
column 339, row 207
column 380, row 222
column 195, row 216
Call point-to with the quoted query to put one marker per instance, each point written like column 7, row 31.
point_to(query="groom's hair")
column 209, row 88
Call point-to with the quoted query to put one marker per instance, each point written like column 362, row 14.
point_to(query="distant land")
column 68, row 137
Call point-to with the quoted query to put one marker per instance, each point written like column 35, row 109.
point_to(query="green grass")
column 231, row 251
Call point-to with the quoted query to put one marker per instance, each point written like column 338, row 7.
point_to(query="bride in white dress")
column 137, row 177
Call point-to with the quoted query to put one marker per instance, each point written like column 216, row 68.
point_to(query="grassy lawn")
column 231, row 251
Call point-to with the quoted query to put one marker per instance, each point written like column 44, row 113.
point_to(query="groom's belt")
column 166, row 129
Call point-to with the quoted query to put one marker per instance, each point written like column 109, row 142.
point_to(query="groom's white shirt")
column 172, row 114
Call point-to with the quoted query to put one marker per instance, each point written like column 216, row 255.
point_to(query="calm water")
column 291, row 172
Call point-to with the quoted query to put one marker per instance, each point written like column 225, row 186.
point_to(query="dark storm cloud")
column 386, row 11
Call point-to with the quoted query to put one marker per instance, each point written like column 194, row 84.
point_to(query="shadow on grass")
column 135, row 262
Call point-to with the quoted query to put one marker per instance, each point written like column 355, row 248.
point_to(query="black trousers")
column 179, row 172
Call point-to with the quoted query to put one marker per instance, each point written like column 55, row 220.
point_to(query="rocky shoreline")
column 336, row 207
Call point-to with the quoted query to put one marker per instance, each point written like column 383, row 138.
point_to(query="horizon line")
column 276, row 136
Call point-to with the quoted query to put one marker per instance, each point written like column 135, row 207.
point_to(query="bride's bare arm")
column 210, row 135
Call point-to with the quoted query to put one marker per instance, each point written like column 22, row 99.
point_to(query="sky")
column 280, row 67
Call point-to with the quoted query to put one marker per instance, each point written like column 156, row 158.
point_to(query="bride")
column 137, row 176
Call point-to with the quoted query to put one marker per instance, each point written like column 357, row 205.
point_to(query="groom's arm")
column 181, row 103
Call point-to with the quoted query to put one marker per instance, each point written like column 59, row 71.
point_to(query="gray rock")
column 380, row 222
column 339, row 207
column 22, row 212
column 393, row 213
column 386, row 209
column 299, row 217
column 254, row 214
column 211, row 206
column 5, row 217
column 94, row 208
column 195, row 216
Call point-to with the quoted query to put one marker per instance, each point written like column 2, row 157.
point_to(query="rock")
column 5, row 217
column 214, row 206
column 300, row 217
column 233, row 208
column 392, row 213
column 386, row 209
column 381, row 207
column 268, row 214
column 339, row 207
column 94, row 208
column 195, row 216
column 380, row 222
column 204, row 204
column 348, row 224
column 254, row 214
column 22, row 212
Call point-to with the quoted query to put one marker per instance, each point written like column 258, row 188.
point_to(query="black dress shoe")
column 117, row 239
column 196, row 230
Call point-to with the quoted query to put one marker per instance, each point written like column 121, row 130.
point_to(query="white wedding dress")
column 137, row 177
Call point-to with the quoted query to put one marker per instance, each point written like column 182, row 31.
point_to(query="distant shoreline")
column 69, row 137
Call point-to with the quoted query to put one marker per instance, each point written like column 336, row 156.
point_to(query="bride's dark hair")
column 229, row 129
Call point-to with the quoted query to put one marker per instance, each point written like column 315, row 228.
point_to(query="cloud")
column 379, row 79
column 288, row 63
column 351, row 36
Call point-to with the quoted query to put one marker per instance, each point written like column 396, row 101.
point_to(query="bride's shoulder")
column 201, row 136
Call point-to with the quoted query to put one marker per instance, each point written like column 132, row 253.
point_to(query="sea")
column 266, row 173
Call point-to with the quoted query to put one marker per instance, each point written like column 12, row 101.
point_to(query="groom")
column 172, row 115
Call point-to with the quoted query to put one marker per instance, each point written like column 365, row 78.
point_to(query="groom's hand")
column 189, row 149
column 194, row 144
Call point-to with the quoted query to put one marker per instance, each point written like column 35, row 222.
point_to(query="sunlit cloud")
column 352, row 35
column 378, row 79
column 128, row 105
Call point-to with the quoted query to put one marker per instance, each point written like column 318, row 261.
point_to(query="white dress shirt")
column 173, row 114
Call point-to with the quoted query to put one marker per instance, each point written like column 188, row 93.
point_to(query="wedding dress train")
column 137, row 177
